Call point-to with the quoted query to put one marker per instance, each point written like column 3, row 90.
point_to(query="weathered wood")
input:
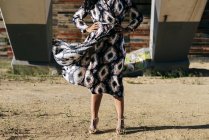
column 201, row 39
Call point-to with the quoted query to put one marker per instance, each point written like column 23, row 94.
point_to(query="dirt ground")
column 155, row 109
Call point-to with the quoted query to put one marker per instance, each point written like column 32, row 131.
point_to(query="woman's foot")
column 120, row 130
column 93, row 126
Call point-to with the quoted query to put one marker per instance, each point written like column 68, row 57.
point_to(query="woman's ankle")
column 94, row 118
column 120, row 122
column 94, row 121
column 121, row 118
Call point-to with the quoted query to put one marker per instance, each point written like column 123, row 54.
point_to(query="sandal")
column 120, row 130
column 93, row 129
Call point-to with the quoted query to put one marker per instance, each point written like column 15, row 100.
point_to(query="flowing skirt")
column 97, row 63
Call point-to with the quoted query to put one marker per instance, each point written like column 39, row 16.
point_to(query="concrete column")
column 29, row 25
column 173, row 26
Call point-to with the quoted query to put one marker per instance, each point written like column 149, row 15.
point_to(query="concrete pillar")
column 173, row 26
column 29, row 25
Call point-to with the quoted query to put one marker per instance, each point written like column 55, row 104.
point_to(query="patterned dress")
column 100, row 58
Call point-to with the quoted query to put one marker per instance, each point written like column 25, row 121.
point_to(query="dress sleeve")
column 136, row 16
column 78, row 19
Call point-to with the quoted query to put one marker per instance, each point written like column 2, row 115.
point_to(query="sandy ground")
column 155, row 109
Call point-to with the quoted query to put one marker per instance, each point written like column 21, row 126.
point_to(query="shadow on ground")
column 132, row 130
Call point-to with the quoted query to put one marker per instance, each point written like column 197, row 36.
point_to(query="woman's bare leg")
column 119, row 105
column 95, row 104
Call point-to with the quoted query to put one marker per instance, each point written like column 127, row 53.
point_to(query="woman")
column 101, row 56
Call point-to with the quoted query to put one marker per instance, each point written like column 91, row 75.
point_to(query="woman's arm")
column 136, row 18
column 78, row 19
column 135, row 15
column 80, row 24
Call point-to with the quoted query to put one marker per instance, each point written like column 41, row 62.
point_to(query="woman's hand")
column 93, row 27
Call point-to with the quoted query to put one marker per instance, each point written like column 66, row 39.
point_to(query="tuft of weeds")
column 175, row 73
column 42, row 114
column 11, row 76
column 7, row 73
column 2, row 114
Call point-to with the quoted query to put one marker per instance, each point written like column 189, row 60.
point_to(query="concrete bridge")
column 173, row 26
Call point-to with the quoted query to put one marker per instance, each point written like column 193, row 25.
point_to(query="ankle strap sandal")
column 120, row 130
column 93, row 129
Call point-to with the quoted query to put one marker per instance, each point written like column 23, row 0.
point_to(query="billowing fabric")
column 97, row 63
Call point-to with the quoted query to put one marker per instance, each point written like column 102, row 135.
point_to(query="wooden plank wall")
column 140, row 37
column 5, row 49
column 62, row 20
column 200, row 43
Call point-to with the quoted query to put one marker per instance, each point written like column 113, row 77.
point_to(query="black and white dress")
column 97, row 63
